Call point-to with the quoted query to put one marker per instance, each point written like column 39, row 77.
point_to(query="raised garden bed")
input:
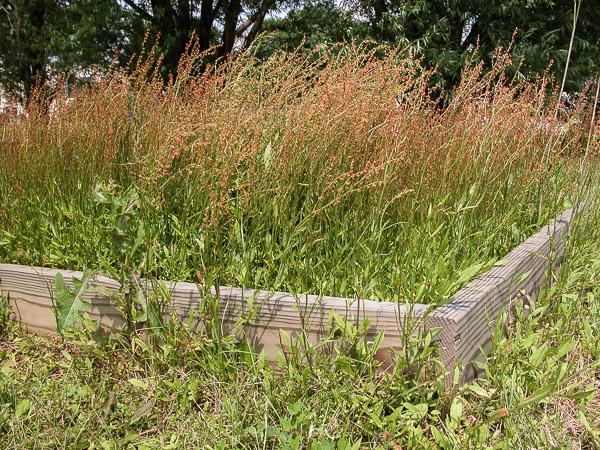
column 465, row 322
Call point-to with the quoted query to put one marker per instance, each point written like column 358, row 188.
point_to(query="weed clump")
column 332, row 174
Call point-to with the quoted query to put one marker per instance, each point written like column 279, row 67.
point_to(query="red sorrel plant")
column 333, row 173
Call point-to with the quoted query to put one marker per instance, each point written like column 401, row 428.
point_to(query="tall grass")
column 332, row 174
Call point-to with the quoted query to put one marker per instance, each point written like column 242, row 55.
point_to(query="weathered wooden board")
column 465, row 322
column 29, row 290
column 475, row 308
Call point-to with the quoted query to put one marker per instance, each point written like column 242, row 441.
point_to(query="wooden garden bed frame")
column 466, row 322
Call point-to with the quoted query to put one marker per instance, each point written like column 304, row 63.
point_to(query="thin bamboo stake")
column 576, row 8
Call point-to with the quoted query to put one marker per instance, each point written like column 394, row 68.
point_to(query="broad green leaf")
column 538, row 355
column 267, row 156
column 528, row 341
column 523, row 277
column 138, row 383
column 469, row 273
column 418, row 411
column 375, row 419
column 540, row 394
column 456, row 377
column 583, row 420
column 141, row 314
column 439, row 438
column 295, row 408
column 456, row 409
column 22, row 408
column 579, row 395
column 478, row 390
column 565, row 348
column 69, row 304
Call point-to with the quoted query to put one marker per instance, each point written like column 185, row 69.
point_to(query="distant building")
column 3, row 100
column 7, row 104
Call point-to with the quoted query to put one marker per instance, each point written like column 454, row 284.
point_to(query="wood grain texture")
column 476, row 307
column 465, row 322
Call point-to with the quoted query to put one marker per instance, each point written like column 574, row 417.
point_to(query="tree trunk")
column 258, row 22
column 33, row 63
column 232, row 9
column 206, row 23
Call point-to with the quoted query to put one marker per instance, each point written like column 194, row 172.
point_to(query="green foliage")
column 44, row 37
column 4, row 314
column 69, row 304
column 233, row 206
column 201, row 389
column 93, row 33
column 118, row 216
column 137, row 298
column 314, row 26
column 450, row 34
column 220, row 25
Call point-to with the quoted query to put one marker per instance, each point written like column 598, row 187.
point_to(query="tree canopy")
column 447, row 33
column 41, row 36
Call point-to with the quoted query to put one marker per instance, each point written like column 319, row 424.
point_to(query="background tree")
column 314, row 25
column 447, row 33
column 220, row 23
column 24, row 48
column 42, row 36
